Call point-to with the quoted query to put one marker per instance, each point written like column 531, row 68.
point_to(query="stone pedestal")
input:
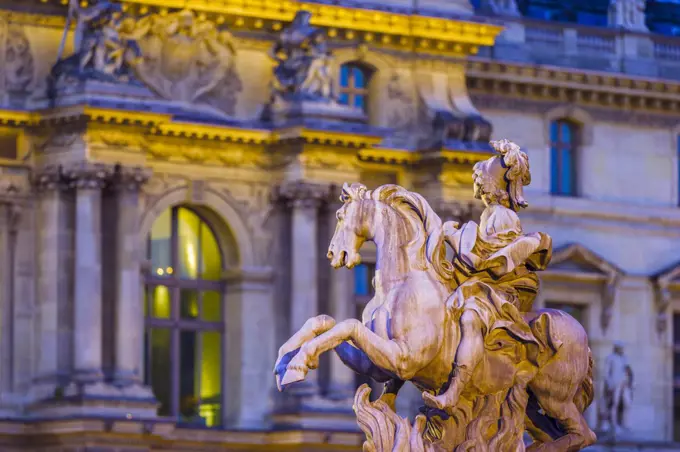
column 282, row 112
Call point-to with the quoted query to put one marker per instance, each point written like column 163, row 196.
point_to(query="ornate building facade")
column 169, row 176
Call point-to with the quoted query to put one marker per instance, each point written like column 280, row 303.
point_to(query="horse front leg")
column 393, row 357
column 311, row 329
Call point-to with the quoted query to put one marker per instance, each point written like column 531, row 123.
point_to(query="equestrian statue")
column 461, row 328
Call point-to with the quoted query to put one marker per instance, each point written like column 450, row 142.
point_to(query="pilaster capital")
column 301, row 194
column 49, row 178
column 249, row 278
column 131, row 179
column 88, row 176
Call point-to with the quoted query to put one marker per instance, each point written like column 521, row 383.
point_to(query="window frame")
column 558, row 148
column 351, row 90
column 176, row 325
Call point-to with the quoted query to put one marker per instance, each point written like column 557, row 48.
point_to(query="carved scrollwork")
column 88, row 176
column 130, row 178
column 300, row 194
column 49, row 178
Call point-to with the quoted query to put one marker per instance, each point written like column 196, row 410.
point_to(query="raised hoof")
column 291, row 376
column 281, row 367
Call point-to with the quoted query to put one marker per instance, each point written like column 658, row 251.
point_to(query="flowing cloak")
column 495, row 266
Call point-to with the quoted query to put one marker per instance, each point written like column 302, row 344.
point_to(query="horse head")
column 400, row 222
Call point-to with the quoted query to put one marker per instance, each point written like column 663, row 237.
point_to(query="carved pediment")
column 576, row 258
column 580, row 263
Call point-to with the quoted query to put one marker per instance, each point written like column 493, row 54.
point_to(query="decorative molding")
column 302, row 194
column 573, row 113
column 605, row 272
column 618, row 97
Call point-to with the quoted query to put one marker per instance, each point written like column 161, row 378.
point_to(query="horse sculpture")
column 458, row 330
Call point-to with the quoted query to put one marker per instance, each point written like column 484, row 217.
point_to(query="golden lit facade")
column 164, row 220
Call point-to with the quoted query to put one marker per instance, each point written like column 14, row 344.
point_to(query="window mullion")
column 175, row 374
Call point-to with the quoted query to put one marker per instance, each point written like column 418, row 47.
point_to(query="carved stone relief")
column 401, row 107
column 188, row 59
column 18, row 70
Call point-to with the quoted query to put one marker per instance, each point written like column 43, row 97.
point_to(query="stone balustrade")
column 589, row 48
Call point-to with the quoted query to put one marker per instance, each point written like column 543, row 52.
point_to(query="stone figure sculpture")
column 618, row 392
column 302, row 62
column 627, row 14
column 461, row 331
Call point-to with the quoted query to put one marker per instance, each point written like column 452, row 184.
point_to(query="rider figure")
column 493, row 266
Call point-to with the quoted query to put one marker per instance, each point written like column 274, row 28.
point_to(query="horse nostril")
column 330, row 255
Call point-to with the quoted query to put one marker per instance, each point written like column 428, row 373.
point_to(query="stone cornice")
column 544, row 86
column 427, row 34
column 386, row 29
column 325, row 137
column 212, row 132
column 406, row 157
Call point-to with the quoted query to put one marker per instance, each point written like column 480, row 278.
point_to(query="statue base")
column 293, row 111
column 98, row 91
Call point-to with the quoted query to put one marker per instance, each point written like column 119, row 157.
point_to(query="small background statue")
column 627, row 14
column 101, row 46
column 618, row 392
column 302, row 59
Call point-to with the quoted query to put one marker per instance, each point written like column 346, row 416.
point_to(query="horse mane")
column 421, row 217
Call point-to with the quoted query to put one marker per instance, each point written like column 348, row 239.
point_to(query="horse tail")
column 585, row 394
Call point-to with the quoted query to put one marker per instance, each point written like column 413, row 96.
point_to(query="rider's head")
column 501, row 179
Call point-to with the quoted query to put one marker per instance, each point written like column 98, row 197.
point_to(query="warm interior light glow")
column 159, row 272
column 169, row 270
column 161, row 302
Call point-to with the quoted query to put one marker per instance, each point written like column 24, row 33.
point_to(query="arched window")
column 354, row 80
column 184, row 319
column 563, row 148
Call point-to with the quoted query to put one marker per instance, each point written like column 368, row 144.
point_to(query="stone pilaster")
column 129, row 316
column 50, row 185
column 249, row 347
column 304, row 200
column 88, row 181
column 10, row 212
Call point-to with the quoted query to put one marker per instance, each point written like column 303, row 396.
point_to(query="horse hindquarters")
column 563, row 389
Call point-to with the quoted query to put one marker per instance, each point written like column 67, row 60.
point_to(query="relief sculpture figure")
column 302, row 61
column 461, row 330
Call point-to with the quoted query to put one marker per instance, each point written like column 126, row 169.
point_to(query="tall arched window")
column 354, row 80
column 184, row 319
column 563, row 149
